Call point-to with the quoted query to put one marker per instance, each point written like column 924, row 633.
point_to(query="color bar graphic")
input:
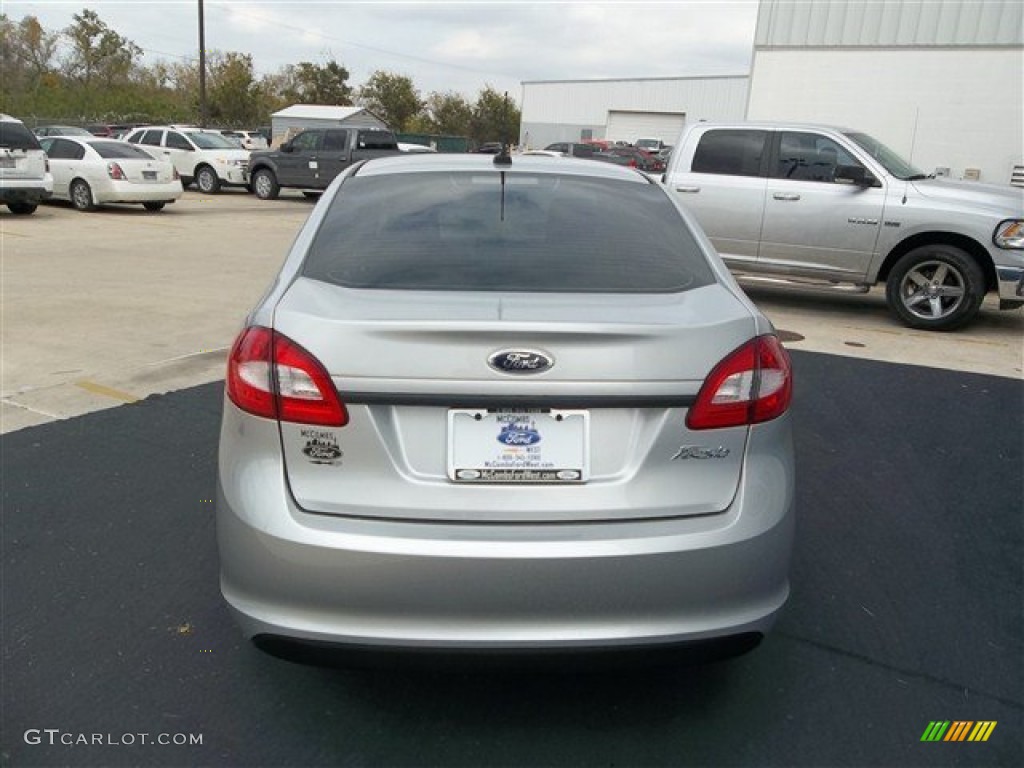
column 958, row 730
column 935, row 731
column 982, row 730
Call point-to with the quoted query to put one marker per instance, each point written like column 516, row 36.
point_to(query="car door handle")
column 690, row 190
column 785, row 196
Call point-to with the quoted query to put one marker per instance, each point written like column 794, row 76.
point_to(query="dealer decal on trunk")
column 322, row 446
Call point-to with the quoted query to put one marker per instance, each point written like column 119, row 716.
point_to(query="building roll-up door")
column 630, row 126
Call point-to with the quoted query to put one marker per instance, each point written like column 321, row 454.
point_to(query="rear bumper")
column 381, row 583
column 26, row 190
column 136, row 192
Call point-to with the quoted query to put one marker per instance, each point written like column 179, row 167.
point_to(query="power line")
column 230, row 9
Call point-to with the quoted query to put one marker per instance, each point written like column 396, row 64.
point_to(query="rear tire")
column 22, row 209
column 935, row 288
column 81, row 196
column 207, row 180
column 153, row 206
column 264, row 184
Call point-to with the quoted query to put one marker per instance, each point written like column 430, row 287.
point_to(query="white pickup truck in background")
column 833, row 207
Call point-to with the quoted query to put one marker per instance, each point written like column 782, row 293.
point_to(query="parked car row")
column 829, row 207
column 245, row 139
column 612, row 153
column 153, row 164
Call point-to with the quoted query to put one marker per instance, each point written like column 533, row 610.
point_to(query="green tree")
column 392, row 98
column 322, row 84
column 36, row 49
column 12, row 82
column 495, row 117
column 232, row 90
column 98, row 53
column 448, row 113
column 28, row 75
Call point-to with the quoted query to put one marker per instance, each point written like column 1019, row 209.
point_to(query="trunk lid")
column 409, row 365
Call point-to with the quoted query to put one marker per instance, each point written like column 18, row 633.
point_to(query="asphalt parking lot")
column 907, row 581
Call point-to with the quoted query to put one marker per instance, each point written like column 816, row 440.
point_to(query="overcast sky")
column 442, row 46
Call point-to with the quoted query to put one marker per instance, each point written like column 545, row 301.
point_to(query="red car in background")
column 639, row 158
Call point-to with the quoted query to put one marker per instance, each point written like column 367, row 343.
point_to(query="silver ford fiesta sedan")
column 497, row 403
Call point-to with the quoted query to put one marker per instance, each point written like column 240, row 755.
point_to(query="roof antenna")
column 503, row 157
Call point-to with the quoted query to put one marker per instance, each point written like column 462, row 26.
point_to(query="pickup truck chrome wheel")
column 935, row 287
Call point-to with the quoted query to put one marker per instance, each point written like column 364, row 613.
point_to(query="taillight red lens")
column 270, row 375
column 751, row 385
column 248, row 381
column 305, row 392
column 115, row 171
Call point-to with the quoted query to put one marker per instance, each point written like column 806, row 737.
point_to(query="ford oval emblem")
column 518, row 434
column 520, row 361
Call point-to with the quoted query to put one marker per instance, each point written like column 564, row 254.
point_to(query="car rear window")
column 17, row 136
column 496, row 231
column 118, row 150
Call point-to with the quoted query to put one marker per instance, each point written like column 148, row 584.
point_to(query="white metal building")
column 939, row 81
column 301, row 116
column 657, row 108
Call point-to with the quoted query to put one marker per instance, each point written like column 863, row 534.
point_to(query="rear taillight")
column 115, row 172
column 270, row 375
column 751, row 385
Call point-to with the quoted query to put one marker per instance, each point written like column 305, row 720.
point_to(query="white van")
column 205, row 157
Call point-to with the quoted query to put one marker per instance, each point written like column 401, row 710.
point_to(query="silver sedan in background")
column 496, row 403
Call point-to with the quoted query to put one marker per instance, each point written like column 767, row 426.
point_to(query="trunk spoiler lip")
column 545, row 401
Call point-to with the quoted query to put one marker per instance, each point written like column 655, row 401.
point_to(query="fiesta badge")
column 520, row 361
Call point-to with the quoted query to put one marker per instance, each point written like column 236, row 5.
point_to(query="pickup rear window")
column 496, row 231
column 376, row 140
column 730, row 152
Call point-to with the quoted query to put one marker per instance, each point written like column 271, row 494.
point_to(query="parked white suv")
column 24, row 168
column 832, row 206
column 248, row 139
column 205, row 157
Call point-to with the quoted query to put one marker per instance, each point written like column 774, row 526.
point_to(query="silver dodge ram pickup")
column 829, row 206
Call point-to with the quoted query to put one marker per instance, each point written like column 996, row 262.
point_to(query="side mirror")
column 287, row 147
column 854, row 174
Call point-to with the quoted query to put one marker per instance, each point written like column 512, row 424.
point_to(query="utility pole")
column 202, row 68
